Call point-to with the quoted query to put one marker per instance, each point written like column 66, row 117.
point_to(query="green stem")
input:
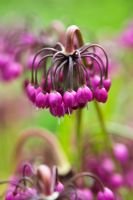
column 79, row 138
column 105, row 134
column 72, row 33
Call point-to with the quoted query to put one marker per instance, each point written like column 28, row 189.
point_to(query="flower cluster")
column 73, row 77
column 43, row 183
column 19, row 45
column 10, row 68
column 13, row 44
column 116, row 172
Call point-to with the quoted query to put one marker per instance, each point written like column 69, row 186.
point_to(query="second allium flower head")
column 77, row 74
column 43, row 183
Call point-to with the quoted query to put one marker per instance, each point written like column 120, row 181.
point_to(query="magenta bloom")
column 127, row 36
column 101, row 95
column 121, row 152
column 11, row 71
column 23, row 195
column 69, row 99
column 42, row 100
column 59, row 187
column 84, row 95
column 107, row 194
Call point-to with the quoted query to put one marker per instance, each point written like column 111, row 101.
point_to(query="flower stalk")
column 73, row 33
column 101, row 120
column 60, row 158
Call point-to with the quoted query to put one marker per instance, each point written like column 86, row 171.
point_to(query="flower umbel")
column 75, row 75
column 44, row 184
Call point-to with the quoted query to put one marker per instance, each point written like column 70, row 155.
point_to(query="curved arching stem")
column 71, row 33
column 48, row 51
column 70, row 73
column 62, row 163
column 108, row 143
column 36, row 70
column 80, row 70
column 90, row 175
column 99, row 66
column 100, row 60
column 104, row 52
column 12, row 183
column 57, row 70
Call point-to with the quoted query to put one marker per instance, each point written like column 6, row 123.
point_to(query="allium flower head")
column 68, row 75
column 44, row 184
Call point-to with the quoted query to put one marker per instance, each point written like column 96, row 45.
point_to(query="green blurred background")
column 95, row 16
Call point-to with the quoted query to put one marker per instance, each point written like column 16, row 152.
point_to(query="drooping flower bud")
column 11, row 71
column 55, row 99
column 107, row 84
column 116, row 180
column 26, row 169
column 83, row 95
column 107, row 194
column 69, row 99
column 121, row 152
column 42, row 100
column 101, row 94
column 58, row 111
column 32, row 92
column 4, row 59
column 59, row 187
column 95, row 81
column 10, row 196
column 108, row 165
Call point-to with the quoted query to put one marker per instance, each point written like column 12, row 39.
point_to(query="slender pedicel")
column 105, row 54
column 88, row 174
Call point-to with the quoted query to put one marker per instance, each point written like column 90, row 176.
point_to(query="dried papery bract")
column 67, row 83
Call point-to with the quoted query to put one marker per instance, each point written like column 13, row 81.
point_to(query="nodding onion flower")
column 71, row 75
column 44, row 184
